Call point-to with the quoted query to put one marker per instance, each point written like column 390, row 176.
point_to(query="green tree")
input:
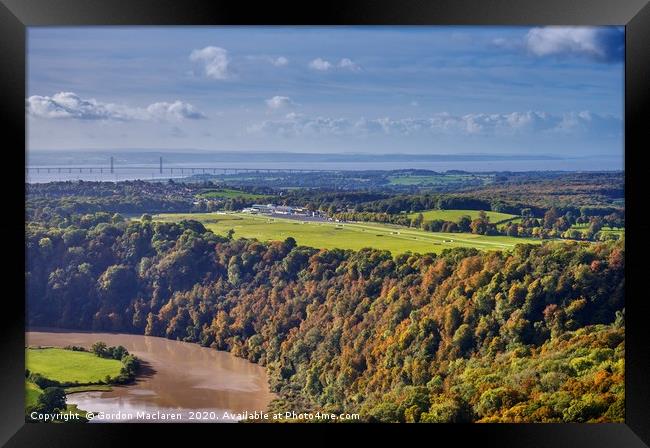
column 118, row 352
column 289, row 243
column 234, row 271
column 52, row 400
column 45, row 244
column 463, row 338
column 417, row 221
column 117, row 284
column 550, row 217
column 448, row 410
column 464, row 223
column 99, row 349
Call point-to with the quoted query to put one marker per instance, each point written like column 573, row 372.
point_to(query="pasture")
column 67, row 366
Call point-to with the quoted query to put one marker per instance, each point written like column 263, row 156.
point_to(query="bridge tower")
column 160, row 164
column 111, row 164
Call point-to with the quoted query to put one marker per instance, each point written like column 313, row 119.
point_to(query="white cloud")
column 324, row 65
column 443, row 123
column 598, row 43
column 347, row 64
column 320, row 64
column 279, row 102
column 280, row 61
column 212, row 61
column 293, row 116
column 507, row 44
column 276, row 61
column 175, row 111
column 69, row 105
column 295, row 125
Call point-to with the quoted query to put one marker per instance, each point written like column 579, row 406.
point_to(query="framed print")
column 370, row 217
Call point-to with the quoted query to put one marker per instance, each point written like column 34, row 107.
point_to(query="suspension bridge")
column 160, row 169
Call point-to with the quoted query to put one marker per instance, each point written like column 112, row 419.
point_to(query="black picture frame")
column 16, row 15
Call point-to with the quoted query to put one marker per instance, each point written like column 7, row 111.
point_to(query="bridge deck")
column 82, row 169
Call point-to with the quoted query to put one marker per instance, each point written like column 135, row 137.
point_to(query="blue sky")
column 437, row 90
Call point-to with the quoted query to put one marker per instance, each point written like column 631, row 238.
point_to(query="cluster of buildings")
column 271, row 209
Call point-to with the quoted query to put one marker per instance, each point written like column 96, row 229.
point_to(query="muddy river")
column 181, row 381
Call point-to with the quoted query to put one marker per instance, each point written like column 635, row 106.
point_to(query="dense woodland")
column 606, row 189
column 68, row 198
column 535, row 334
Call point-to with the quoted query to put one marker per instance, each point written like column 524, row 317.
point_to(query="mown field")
column 455, row 215
column 67, row 366
column 330, row 235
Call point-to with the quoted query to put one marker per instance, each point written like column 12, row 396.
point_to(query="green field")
column 620, row 231
column 617, row 231
column 67, row 366
column 226, row 193
column 455, row 215
column 330, row 235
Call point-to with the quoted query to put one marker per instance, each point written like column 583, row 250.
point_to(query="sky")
column 415, row 90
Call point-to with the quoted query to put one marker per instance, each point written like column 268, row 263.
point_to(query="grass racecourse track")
column 67, row 366
column 331, row 235
column 455, row 215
